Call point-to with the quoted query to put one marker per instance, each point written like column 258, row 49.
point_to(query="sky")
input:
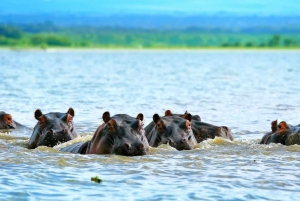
column 240, row 7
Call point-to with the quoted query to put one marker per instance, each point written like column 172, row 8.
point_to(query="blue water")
column 244, row 90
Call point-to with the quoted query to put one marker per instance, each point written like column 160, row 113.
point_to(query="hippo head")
column 52, row 128
column 173, row 130
column 284, row 134
column 266, row 139
column 122, row 135
column 6, row 121
column 281, row 133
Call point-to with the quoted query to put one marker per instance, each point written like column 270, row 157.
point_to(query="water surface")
column 244, row 90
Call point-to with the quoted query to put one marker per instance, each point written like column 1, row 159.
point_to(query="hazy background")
column 150, row 24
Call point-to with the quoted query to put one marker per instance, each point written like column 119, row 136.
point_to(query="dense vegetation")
column 49, row 35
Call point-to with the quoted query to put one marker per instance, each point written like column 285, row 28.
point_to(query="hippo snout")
column 140, row 146
column 132, row 149
column 183, row 141
column 180, row 145
column 11, row 126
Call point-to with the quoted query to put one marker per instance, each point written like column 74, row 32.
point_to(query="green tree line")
column 11, row 36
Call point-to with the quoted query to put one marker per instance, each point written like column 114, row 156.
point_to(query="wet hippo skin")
column 52, row 128
column 120, row 134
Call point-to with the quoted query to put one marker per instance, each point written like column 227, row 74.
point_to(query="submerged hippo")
column 284, row 134
column 120, row 134
column 267, row 137
column 52, row 128
column 173, row 130
column 7, row 122
column 203, row 131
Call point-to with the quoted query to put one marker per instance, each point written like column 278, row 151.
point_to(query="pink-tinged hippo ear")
column 69, row 118
column 188, row 116
column 140, row 116
column 37, row 114
column 141, row 125
column 106, row 116
column 71, row 112
column 111, row 126
column 8, row 119
column 42, row 120
column 156, row 118
column 282, row 127
column 187, row 124
column 186, row 112
column 168, row 113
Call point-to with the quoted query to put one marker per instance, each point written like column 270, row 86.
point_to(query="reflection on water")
column 244, row 90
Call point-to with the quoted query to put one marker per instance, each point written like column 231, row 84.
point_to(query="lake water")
column 244, row 90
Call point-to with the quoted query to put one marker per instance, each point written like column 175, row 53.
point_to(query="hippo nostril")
column 127, row 146
column 190, row 137
column 141, row 147
column 170, row 142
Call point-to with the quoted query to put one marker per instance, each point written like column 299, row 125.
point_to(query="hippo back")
column 204, row 131
column 77, row 148
column 293, row 138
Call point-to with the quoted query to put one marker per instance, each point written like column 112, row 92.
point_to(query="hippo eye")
column 279, row 126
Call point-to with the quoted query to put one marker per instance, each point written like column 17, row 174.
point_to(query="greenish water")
column 244, row 90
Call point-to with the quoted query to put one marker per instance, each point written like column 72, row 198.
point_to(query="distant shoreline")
column 149, row 49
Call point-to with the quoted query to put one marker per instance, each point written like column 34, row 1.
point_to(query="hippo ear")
column 106, row 116
column 140, row 116
column 8, row 118
column 274, row 125
column 71, row 112
column 188, row 116
column 156, row 118
column 186, row 112
column 37, row 114
column 283, row 125
column 168, row 113
column 111, row 126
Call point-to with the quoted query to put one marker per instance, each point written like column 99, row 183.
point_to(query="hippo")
column 203, row 131
column 267, row 137
column 52, row 128
column 7, row 122
column 174, row 130
column 120, row 134
column 284, row 133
